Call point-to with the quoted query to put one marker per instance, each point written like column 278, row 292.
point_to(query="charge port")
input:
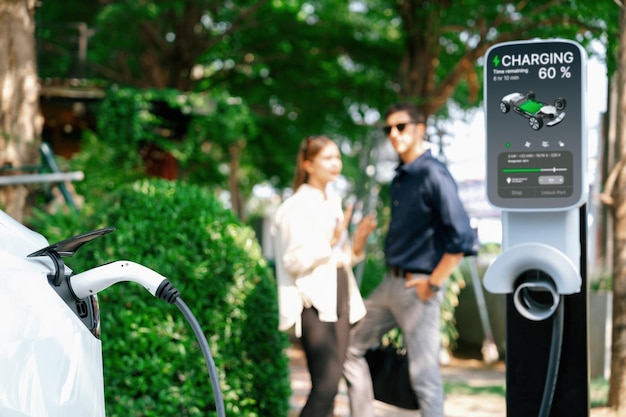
column 82, row 309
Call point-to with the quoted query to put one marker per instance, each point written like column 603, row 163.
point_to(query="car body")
column 537, row 112
column 51, row 361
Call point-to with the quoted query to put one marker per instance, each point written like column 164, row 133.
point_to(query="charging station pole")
column 536, row 174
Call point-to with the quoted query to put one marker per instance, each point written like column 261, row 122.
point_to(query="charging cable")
column 97, row 279
column 554, row 361
column 206, row 352
column 537, row 299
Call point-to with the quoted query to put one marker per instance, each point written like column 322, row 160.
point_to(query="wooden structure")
column 69, row 109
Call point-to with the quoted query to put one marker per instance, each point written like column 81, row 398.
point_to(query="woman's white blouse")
column 306, row 264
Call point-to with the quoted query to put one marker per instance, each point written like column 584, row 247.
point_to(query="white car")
column 534, row 110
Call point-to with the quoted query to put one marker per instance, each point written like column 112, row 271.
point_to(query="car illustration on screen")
column 537, row 112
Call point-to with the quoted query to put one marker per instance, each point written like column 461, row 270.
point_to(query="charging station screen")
column 536, row 135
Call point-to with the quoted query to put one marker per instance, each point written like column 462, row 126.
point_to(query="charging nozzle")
column 97, row 279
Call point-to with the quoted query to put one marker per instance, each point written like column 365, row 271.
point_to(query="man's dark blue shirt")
column 427, row 217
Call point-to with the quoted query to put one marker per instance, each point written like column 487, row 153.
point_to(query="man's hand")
column 422, row 288
column 438, row 277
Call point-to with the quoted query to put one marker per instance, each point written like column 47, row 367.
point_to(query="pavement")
column 472, row 372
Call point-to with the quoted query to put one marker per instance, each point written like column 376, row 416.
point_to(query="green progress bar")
column 522, row 170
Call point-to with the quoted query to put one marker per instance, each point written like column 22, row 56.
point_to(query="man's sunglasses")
column 399, row 126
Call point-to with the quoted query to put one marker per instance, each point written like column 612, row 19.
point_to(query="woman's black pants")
column 325, row 346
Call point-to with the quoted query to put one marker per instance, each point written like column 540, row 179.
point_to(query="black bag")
column 389, row 367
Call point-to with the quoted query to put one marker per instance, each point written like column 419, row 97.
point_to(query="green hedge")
column 152, row 363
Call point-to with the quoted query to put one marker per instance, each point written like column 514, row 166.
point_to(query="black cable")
column 554, row 361
column 206, row 352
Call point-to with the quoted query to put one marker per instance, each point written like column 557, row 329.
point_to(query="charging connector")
column 97, row 279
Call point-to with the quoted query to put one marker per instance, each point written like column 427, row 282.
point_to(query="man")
column 428, row 235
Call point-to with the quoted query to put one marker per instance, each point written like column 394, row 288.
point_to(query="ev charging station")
column 536, row 174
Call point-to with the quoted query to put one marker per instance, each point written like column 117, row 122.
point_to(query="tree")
column 317, row 66
column 615, row 197
column 20, row 123
column 321, row 66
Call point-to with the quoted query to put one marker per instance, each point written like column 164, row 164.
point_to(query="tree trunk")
column 20, row 120
column 417, row 74
column 617, row 386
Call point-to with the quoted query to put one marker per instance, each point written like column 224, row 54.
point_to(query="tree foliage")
column 318, row 66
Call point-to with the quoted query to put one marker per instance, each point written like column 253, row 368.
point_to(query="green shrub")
column 152, row 363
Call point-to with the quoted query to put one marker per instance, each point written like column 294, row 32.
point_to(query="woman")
column 317, row 291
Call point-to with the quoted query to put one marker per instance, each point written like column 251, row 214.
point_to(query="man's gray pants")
column 392, row 305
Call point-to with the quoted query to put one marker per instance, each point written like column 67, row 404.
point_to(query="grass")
column 463, row 388
column 598, row 390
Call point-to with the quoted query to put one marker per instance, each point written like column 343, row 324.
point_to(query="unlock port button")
column 551, row 180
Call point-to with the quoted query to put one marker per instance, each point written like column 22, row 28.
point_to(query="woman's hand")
column 362, row 232
column 342, row 226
